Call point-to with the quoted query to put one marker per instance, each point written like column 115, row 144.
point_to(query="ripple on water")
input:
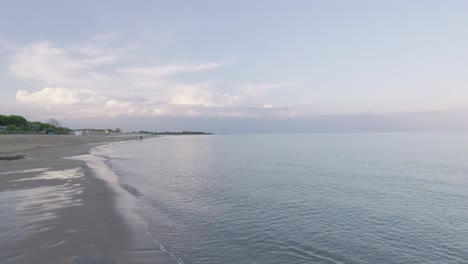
column 334, row 198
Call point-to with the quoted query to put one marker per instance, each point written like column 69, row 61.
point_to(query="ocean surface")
column 301, row 198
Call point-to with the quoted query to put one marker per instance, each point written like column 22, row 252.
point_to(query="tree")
column 13, row 128
column 54, row 122
column 39, row 126
column 16, row 120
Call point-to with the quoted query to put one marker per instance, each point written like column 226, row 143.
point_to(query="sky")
column 237, row 66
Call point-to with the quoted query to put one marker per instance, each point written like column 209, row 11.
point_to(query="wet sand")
column 56, row 210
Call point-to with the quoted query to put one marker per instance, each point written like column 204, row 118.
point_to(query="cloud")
column 101, row 60
column 106, row 36
column 202, row 95
column 258, row 89
column 6, row 45
column 167, row 70
column 90, row 80
column 193, row 102
column 42, row 63
column 193, row 96
column 58, row 96
column 115, row 104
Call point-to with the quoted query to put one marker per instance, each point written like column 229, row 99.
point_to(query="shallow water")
column 318, row 198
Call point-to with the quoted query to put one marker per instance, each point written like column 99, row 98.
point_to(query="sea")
column 301, row 198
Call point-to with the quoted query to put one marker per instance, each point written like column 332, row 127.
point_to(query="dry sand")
column 55, row 210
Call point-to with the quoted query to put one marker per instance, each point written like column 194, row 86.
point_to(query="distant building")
column 2, row 128
column 89, row 132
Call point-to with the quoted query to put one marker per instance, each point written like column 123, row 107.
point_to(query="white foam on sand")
column 25, row 171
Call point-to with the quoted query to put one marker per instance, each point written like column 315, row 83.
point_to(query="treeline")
column 19, row 124
column 175, row 133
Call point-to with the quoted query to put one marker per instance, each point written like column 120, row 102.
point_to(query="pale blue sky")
column 195, row 63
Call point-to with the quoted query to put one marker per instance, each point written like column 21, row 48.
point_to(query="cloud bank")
column 95, row 80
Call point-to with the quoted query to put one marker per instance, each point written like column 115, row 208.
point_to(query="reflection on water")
column 55, row 175
column 31, row 208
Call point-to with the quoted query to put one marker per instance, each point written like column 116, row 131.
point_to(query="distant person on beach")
column 141, row 137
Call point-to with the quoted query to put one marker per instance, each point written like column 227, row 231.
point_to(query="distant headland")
column 174, row 133
column 16, row 124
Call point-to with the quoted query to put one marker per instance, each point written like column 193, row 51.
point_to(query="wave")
column 130, row 189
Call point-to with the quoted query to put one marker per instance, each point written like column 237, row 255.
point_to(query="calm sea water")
column 306, row 198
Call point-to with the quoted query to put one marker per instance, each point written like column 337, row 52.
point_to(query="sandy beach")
column 56, row 210
column 32, row 144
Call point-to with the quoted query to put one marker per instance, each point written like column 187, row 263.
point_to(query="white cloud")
column 44, row 64
column 106, row 36
column 115, row 104
column 58, row 96
column 258, row 89
column 6, row 45
column 64, row 102
column 193, row 96
column 101, row 60
column 166, row 70
column 73, row 82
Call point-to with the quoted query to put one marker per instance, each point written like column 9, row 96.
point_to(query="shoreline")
column 58, row 206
